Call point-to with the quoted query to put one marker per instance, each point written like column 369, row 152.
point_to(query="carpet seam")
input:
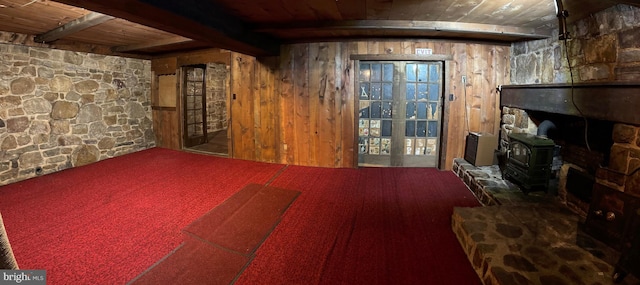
column 277, row 174
column 156, row 263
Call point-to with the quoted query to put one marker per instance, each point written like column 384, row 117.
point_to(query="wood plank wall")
column 165, row 119
column 317, row 96
column 299, row 108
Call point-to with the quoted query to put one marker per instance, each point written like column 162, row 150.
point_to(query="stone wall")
column 217, row 79
column 62, row 109
column 603, row 47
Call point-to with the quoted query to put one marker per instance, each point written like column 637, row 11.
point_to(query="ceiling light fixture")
column 562, row 15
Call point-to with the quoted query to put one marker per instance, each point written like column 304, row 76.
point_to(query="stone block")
column 28, row 70
column 60, row 126
column 106, row 143
column 509, row 119
column 86, row 86
column 17, row 125
column 16, row 112
column 521, row 119
column 629, row 55
column 89, row 113
column 22, row 85
column 625, row 134
column 45, row 72
column 9, row 143
column 135, row 110
column 39, row 127
column 519, row 48
column 60, row 84
column 629, row 38
column 73, row 58
column 84, row 154
column 30, row 159
column 51, row 96
column 64, row 110
column 87, row 98
column 24, row 139
column 80, row 129
column 619, row 158
column 627, row 73
column 602, row 49
column 110, row 120
column 97, row 129
column 69, row 140
column 72, row 96
column 527, row 69
column 51, row 152
column 10, row 101
column 37, row 106
column 56, row 159
column 591, row 72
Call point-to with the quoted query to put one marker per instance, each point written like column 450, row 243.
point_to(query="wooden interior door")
column 195, row 105
column 400, row 113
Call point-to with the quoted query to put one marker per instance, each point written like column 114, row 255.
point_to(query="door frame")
column 187, row 141
column 445, row 108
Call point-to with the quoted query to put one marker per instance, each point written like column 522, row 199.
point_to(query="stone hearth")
column 526, row 239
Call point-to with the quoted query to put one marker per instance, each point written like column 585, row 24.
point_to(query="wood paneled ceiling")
column 257, row 27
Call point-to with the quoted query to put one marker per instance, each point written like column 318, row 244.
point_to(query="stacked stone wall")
column 62, row 109
column 217, row 76
column 603, row 47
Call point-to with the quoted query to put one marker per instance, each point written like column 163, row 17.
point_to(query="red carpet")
column 366, row 226
column 221, row 243
column 195, row 262
column 107, row 222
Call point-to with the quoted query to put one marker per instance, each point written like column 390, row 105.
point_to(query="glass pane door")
column 423, row 93
column 195, row 128
column 375, row 123
column 399, row 113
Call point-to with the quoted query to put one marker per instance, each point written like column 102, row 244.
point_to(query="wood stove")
column 529, row 159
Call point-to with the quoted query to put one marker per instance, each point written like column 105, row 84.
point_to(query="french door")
column 399, row 117
column 195, row 107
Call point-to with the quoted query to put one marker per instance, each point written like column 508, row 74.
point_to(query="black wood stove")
column 529, row 161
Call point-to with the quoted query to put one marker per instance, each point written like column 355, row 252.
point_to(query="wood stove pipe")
column 545, row 127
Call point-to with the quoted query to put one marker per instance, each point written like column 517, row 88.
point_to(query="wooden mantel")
column 609, row 101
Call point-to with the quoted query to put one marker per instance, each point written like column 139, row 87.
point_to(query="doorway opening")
column 400, row 113
column 205, row 101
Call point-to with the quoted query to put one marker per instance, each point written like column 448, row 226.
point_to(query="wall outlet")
column 464, row 79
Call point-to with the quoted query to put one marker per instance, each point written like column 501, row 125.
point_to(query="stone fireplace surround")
column 611, row 161
column 612, row 154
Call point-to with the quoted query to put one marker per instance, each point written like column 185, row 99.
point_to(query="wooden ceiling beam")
column 380, row 26
column 79, row 24
column 154, row 44
column 202, row 21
